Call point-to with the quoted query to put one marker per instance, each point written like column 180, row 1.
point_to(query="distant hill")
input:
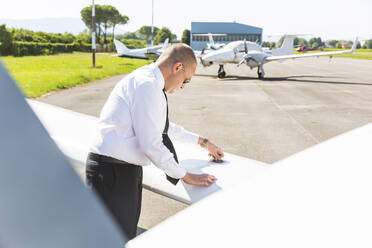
column 50, row 25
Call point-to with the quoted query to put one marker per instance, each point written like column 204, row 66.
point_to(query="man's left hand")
column 214, row 151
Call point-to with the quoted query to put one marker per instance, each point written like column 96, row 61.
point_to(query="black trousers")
column 119, row 186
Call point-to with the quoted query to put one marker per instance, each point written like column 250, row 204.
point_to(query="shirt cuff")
column 193, row 138
column 175, row 171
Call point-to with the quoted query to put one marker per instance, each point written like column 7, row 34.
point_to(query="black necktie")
column 168, row 143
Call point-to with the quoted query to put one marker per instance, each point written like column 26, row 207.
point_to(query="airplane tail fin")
column 165, row 45
column 211, row 41
column 120, row 47
column 287, row 46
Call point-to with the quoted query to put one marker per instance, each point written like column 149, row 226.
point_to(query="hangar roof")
column 223, row 28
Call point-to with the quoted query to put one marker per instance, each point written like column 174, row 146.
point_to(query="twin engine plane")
column 254, row 56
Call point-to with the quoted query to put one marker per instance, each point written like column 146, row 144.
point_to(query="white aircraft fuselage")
column 232, row 53
column 152, row 52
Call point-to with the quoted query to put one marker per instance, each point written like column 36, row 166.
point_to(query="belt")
column 106, row 159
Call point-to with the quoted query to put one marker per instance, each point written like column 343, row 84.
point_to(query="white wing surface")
column 321, row 197
column 73, row 134
column 296, row 56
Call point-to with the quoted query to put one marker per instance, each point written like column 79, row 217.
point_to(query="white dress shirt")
column 132, row 121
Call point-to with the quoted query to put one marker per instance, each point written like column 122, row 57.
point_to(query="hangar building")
column 234, row 31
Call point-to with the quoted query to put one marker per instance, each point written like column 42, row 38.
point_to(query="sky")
column 327, row 19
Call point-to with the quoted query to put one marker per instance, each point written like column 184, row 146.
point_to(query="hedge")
column 20, row 48
column 133, row 44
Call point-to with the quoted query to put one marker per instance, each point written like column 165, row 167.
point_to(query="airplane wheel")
column 221, row 74
column 260, row 73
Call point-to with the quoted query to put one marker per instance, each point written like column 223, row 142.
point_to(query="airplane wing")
column 296, row 56
column 159, row 52
column 43, row 202
column 154, row 48
column 321, row 197
column 73, row 133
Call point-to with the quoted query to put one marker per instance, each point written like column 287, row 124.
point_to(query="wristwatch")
column 204, row 142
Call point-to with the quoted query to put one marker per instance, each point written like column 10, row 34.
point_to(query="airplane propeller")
column 245, row 51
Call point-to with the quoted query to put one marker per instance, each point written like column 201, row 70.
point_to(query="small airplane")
column 141, row 53
column 252, row 54
column 211, row 45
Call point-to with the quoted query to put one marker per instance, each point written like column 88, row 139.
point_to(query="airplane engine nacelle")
column 206, row 63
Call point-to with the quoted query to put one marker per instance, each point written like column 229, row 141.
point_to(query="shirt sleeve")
column 177, row 132
column 147, row 111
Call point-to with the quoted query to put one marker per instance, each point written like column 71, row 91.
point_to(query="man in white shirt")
column 133, row 131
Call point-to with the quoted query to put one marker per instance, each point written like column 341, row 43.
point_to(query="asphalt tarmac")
column 300, row 103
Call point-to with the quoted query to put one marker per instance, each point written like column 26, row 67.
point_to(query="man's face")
column 181, row 76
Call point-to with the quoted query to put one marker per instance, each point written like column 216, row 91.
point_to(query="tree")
column 295, row 41
column 108, row 12
column 358, row 46
column 86, row 17
column 163, row 34
column 117, row 19
column 316, row 40
column 302, row 42
column 6, row 40
column 129, row 35
column 186, row 37
column 333, row 43
column 106, row 16
column 84, row 37
column 145, row 31
column 315, row 45
column 368, row 44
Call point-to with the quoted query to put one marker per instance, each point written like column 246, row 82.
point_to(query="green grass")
column 38, row 75
column 358, row 54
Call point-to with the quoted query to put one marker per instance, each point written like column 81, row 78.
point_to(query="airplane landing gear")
column 260, row 72
column 221, row 72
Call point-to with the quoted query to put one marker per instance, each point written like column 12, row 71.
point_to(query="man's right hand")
column 199, row 179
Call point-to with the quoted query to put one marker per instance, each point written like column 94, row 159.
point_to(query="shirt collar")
column 158, row 75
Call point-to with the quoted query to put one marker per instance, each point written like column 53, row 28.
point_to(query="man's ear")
column 176, row 67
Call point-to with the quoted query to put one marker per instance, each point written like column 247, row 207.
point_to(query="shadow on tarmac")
column 298, row 78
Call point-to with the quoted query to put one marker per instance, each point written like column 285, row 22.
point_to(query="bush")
column 132, row 44
column 186, row 37
column 368, row 44
column 43, row 37
column 35, row 48
column 5, row 40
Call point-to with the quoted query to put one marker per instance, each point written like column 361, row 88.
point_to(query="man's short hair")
column 179, row 52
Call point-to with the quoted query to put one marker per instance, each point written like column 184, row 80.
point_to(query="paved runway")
column 300, row 103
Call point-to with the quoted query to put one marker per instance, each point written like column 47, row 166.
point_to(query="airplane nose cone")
column 219, row 56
